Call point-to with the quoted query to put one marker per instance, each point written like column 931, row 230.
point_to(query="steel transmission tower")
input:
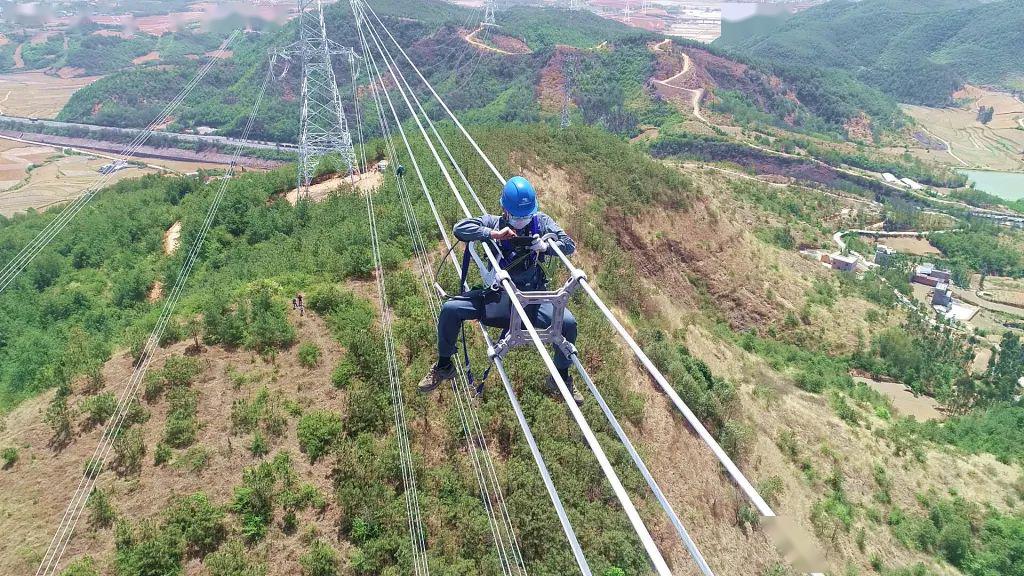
column 323, row 126
column 574, row 4
column 488, row 14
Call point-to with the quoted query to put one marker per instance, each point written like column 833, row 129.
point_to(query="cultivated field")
column 37, row 94
column 915, row 246
column 1006, row 290
column 59, row 177
column 996, row 145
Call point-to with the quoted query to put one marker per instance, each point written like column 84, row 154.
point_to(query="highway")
column 32, row 125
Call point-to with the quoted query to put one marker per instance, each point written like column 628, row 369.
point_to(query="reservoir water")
column 1006, row 185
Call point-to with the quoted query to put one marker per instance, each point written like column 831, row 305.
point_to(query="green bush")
column 98, row 409
column 199, row 522
column 9, row 456
column 101, row 512
column 261, row 411
column 318, row 431
column 195, row 459
column 147, row 549
column 309, row 355
column 85, row 566
column 231, row 560
column 254, row 501
column 320, row 560
column 343, row 373
column 58, row 417
column 179, row 371
column 182, row 424
column 256, row 319
column 92, row 467
column 162, row 454
column 258, row 446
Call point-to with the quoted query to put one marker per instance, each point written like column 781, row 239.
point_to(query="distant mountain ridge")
column 615, row 71
column 917, row 51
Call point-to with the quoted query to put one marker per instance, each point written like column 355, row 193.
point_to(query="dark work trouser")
column 471, row 306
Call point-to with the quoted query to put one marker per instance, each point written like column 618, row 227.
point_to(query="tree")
column 985, row 114
column 1007, row 368
column 58, row 416
column 101, row 512
column 129, row 449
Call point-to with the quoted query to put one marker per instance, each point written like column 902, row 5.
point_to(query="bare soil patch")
column 19, row 62
column 904, row 401
column 58, row 179
column 551, row 82
column 996, row 145
column 320, row 190
column 647, row 133
column 224, row 54
column 15, row 159
column 172, row 238
column 150, row 57
column 907, row 245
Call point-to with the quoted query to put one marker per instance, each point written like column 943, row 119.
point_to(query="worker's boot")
column 435, row 376
column 553, row 389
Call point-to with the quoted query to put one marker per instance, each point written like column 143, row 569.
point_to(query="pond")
column 1006, row 185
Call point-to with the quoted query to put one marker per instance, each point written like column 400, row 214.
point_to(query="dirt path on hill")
column 18, row 61
column 365, row 183
column 471, row 38
column 695, row 93
column 172, row 238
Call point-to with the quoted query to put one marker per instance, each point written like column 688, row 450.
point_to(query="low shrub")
column 318, row 431
column 309, row 355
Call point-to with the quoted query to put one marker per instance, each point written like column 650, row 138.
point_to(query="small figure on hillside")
column 301, row 306
column 520, row 218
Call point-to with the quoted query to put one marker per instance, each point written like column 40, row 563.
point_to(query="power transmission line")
column 18, row 264
column 112, row 429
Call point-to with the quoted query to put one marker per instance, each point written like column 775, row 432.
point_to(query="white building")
column 913, row 185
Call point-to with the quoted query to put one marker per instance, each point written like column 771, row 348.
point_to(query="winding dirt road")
column 18, row 61
column 471, row 38
column 695, row 93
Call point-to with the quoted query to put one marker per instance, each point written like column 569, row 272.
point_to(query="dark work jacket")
column 525, row 278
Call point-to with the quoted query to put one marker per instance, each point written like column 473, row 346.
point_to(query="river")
column 1006, row 185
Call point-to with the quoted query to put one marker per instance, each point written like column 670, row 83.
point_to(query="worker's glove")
column 539, row 246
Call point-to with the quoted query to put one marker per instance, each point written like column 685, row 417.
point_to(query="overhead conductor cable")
column 639, row 527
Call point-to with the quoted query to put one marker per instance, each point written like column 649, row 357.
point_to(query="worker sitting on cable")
column 521, row 260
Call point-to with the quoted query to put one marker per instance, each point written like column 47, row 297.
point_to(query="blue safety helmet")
column 519, row 198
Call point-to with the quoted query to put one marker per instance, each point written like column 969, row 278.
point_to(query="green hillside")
column 612, row 84
column 917, row 51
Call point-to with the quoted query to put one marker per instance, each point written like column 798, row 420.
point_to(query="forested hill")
column 917, row 51
column 615, row 69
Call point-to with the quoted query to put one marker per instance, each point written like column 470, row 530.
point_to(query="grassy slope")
column 918, row 51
